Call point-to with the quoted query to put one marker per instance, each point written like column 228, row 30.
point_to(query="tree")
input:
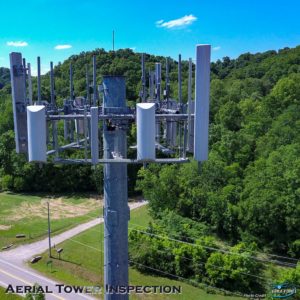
column 292, row 276
column 270, row 205
column 231, row 270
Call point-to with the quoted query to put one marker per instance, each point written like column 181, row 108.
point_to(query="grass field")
column 4, row 296
column 27, row 214
column 82, row 264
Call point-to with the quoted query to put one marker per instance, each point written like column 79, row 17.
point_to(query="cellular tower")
column 98, row 126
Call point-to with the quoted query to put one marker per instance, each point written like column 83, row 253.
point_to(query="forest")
column 218, row 226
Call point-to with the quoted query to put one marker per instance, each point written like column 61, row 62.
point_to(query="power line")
column 203, row 264
column 186, row 258
column 280, row 256
column 163, row 272
column 200, row 245
column 193, row 239
column 220, row 250
column 214, row 249
column 188, row 280
column 86, row 245
column 209, row 248
column 217, row 267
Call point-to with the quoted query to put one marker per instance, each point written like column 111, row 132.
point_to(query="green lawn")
column 27, row 214
column 4, row 296
column 82, row 264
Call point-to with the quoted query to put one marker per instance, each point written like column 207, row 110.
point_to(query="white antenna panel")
column 145, row 118
column 36, row 130
column 202, row 102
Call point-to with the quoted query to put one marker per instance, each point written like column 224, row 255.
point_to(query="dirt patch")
column 5, row 227
column 59, row 208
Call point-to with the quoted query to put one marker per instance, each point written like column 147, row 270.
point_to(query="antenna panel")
column 36, row 122
column 145, row 117
column 201, row 120
column 158, row 73
column 19, row 101
column 94, row 135
column 191, row 110
column 79, row 124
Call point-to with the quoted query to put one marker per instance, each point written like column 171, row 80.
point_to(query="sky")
column 56, row 29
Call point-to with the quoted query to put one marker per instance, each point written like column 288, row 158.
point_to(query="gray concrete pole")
column 116, row 210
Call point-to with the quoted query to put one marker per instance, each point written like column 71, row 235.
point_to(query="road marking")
column 5, row 285
column 15, row 277
column 27, row 283
column 24, row 269
column 42, row 278
column 58, row 239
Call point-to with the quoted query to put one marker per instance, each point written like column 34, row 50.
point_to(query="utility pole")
column 113, row 40
column 116, row 210
column 49, row 229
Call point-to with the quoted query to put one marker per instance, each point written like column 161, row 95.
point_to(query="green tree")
column 233, row 270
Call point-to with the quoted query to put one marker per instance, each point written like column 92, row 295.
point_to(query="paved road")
column 14, row 270
column 11, row 273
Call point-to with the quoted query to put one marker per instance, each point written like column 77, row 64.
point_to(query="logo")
column 283, row 290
